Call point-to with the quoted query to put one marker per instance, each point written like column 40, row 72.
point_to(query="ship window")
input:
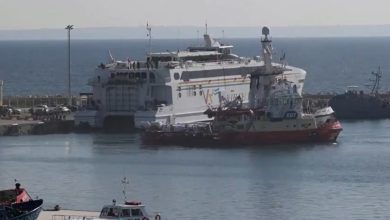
column 143, row 75
column 136, row 212
column 176, row 76
column 179, row 95
column 200, row 86
column 112, row 75
column 113, row 212
column 194, row 93
column 131, row 75
column 152, row 77
column 200, row 92
column 137, row 75
column 179, row 88
column 125, row 212
column 295, row 88
column 194, row 86
column 104, row 212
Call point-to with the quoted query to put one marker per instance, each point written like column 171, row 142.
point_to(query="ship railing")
column 217, row 63
column 125, row 81
column 73, row 217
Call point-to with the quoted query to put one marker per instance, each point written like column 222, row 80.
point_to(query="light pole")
column 69, row 28
column 1, row 92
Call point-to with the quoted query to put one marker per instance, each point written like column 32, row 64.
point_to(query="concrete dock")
column 26, row 124
column 65, row 214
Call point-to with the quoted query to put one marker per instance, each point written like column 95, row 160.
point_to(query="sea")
column 348, row 179
column 332, row 64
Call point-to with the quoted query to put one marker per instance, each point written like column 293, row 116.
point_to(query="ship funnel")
column 210, row 42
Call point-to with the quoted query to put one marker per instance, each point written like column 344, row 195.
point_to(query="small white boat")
column 129, row 210
column 133, row 210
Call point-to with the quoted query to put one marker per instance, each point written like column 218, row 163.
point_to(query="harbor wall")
column 21, row 127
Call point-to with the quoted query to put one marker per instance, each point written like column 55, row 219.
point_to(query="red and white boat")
column 12, row 196
column 17, row 204
column 274, row 114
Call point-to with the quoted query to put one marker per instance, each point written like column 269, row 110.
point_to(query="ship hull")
column 180, row 139
column 325, row 134
column 22, row 211
column 360, row 106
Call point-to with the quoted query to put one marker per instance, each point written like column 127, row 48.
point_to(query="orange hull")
column 327, row 133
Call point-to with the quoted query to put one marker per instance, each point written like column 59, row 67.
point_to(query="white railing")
column 72, row 217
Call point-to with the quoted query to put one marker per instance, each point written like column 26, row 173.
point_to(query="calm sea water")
column 40, row 67
column 345, row 180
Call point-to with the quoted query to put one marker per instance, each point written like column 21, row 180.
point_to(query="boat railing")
column 125, row 81
column 218, row 62
column 145, row 66
column 73, row 217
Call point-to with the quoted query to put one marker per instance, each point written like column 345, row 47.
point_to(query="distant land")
column 183, row 32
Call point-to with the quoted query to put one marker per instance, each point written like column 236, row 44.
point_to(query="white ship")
column 171, row 87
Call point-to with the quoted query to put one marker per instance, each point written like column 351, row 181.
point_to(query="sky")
column 42, row 14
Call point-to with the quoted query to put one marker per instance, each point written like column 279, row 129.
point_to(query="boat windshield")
column 114, row 212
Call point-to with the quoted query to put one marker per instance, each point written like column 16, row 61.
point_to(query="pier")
column 16, row 127
column 25, row 122
column 67, row 214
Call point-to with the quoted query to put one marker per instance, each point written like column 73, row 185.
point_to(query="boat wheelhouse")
column 133, row 210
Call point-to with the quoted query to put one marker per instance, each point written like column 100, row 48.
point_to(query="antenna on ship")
column 206, row 26
column 197, row 37
column 125, row 182
column 266, row 50
column 149, row 34
column 378, row 76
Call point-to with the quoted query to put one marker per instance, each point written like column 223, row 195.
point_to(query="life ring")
column 145, row 218
column 157, row 217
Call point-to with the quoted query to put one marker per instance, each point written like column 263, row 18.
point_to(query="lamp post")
column 1, row 92
column 69, row 28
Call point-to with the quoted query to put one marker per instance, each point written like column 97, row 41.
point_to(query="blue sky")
column 37, row 14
